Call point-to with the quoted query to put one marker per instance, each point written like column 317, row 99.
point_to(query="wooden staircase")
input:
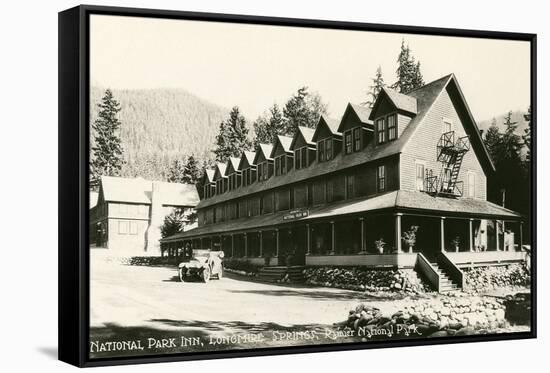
column 285, row 274
column 445, row 282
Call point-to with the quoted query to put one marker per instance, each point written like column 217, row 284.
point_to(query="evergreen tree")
column 191, row 171
column 492, row 140
column 107, row 149
column 511, row 142
column 173, row 223
column 408, row 72
column 266, row 128
column 375, row 88
column 176, row 171
column 302, row 109
column 233, row 137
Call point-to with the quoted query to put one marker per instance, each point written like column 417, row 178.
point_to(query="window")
column 392, row 127
column 122, row 227
column 447, row 125
column 419, row 176
column 280, row 165
column 471, row 185
column 357, row 139
column 381, row 178
column 265, row 171
column 350, row 186
column 381, row 130
column 133, row 228
column 321, row 150
column 348, row 146
column 304, row 157
column 328, row 149
column 297, row 159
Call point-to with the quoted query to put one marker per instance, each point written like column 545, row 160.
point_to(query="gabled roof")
column 265, row 150
column 139, row 190
column 247, row 157
column 284, row 141
column 425, row 96
column 400, row 101
column 209, row 175
column 219, row 170
column 328, row 123
column 306, row 133
column 362, row 113
column 232, row 165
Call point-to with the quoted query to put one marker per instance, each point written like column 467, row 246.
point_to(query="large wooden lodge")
column 346, row 192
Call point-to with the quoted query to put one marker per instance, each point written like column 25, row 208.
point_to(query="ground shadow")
column 318, row 294
column 50, row 352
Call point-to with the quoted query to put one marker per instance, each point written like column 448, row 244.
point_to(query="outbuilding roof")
column 139, row 190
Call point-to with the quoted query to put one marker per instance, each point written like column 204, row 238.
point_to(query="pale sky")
column 254, row 66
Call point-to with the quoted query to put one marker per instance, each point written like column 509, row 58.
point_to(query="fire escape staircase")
column 450, row 153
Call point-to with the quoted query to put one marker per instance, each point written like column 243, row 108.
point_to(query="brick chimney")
column 153, row 232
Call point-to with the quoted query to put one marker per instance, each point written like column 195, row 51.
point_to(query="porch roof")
column 403, row 201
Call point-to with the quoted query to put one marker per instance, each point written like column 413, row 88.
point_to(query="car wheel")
column 182, row 276
column 206, row 275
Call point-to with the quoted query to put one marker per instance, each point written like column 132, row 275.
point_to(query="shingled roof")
column 424, row 96
column 264, row 149
column 248, row 157
column 395, row 201
column 139, row 190
column 407, row 103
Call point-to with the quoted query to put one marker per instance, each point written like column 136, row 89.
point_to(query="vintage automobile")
column 202, row 264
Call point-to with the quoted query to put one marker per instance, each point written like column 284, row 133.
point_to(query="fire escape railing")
column 450, row 153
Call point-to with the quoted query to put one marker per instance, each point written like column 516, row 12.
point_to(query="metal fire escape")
column 450, row 153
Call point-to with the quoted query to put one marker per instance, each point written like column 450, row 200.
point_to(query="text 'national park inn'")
column 348, row 191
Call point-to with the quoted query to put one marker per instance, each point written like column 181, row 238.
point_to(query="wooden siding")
column 423, row 147
column 369, row 260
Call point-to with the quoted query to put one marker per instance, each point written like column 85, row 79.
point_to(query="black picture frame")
column 73, row 249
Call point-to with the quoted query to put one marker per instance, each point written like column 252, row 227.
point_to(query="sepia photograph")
column 256, row 186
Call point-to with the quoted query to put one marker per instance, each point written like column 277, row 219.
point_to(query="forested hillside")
column 517, row 116
column 161, row 125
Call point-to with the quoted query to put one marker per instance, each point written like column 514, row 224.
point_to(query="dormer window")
column 280, row 165
column 348, row 142
column 357, row 139
column 352, row 140
column 381, row 130
column 263, row 173
column 301, row 158
column 324, row 150
column 386, row 128
column 392, row 127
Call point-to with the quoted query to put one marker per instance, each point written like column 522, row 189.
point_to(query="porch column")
column 333, row 238
column 398, row 232
column 442, row 234
column 277, row 242
column 471, row 234
column 363, row 248
column 245, row 245
column 308, row 240
column 232, row 245
column 520, row 236
column 497, row 238
column 261, row 234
